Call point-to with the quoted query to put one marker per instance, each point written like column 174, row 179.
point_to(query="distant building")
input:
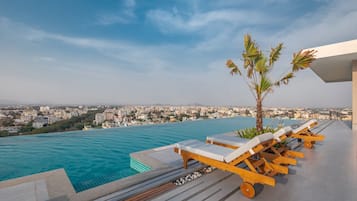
column 28, row 115
column 59, row 113
column 52, row 119
column 40, row 122
column 44, row 109
column 143, row 117
column 2, row 116
column 109, row 114
column 99, row 118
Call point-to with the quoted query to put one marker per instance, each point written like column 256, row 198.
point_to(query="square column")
column 354, row 94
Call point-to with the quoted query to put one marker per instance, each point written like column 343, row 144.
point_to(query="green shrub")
column 250, row 133
column 4, row 133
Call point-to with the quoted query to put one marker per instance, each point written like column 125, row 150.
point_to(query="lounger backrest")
column 229, row 140
column 248, row 146
column 283, row 131
column 305, row 125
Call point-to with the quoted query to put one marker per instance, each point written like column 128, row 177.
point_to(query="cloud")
column 172, row 21
column 333, row 23
column 126, row 55
column 125, row 15
column 39, row 35
column 218, row 28
column 99, row 70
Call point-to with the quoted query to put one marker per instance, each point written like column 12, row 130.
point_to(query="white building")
column 2, row 116
column 99, row 118
column 44, row 109
column 338, row 63
column 28, row 115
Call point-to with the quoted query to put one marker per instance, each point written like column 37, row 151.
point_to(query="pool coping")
column 57, row 182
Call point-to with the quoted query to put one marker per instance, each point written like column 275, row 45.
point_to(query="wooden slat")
column 147, row 195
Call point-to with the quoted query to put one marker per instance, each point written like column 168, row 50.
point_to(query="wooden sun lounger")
column 258, row 169
column 304, row 133
column 281, row 155
column 280, row 136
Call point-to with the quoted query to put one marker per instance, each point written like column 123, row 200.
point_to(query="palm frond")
column 251, row 49
column 265, row 84
column 303, row 59
column 260, row 65
column 247, row 61
column 284, row 80
column 234, row 68
column 275, row 54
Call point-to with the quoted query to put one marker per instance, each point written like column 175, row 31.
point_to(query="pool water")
column 95, row 157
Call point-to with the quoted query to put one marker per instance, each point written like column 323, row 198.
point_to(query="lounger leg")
column 294, row 154
column 272, row 169
column 284, row 160
column 185, row 160
column 314, row 138
column 308, row 137
column 185, row 163
column 308, row 144
column 280, row 169
column 278, row 159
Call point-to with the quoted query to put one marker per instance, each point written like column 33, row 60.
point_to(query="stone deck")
column 37, row 187
column 328, row 172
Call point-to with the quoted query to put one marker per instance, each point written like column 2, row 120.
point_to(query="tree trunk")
column 259, row 116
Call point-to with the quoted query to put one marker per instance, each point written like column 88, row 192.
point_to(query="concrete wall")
column 354, row 95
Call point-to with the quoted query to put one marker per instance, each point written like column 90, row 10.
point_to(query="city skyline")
column 135, row 52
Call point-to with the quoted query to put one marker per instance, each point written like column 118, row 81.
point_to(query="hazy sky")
column 168, row 52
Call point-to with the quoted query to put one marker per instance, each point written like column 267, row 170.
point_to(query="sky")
column 163, row 52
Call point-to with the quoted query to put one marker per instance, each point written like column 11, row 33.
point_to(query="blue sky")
column 168, row 52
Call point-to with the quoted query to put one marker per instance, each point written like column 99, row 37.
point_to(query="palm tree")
column 258, row 66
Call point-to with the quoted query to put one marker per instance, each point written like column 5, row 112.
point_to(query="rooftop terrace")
column 328, row 172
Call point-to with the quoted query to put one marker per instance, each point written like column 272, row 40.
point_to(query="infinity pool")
column 95, row 157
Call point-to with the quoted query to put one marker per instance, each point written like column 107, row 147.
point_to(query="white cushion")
column 305, row 125
column 283, row 131
column 187, row 143
column 208, row 150
column 248, row 146
column 230, row 140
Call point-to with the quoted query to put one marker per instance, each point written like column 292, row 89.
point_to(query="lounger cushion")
column 248, row 146
column 283, row 131
column 305, row 125
column 230, row 140
column 208, row 150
